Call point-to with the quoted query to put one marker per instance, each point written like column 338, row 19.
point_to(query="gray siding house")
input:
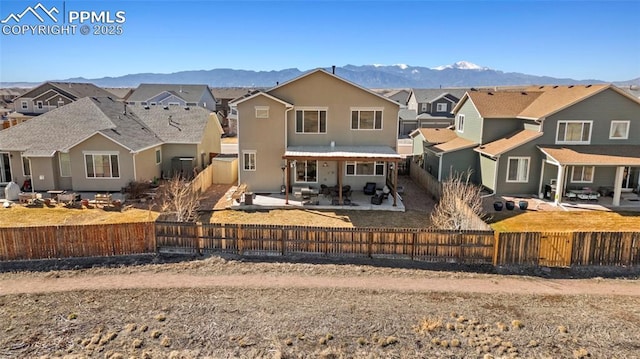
column 173, row 95
column 429, row 108
column 51, row 95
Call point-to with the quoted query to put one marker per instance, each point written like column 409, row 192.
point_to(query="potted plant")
column 523, row 204
column 510, row 205
column 497, row 205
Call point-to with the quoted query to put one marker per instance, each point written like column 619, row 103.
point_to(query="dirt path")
column 506, row 285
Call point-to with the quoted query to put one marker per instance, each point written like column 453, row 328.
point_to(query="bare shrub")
column 459, row 203
column 178, row 198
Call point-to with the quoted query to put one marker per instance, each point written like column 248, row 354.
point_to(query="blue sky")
column 574, row 39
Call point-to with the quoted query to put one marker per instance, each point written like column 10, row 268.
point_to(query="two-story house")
column 574, row 138
column 429, row 108
column 173, row 95
column 317, row 129
column 51, row 95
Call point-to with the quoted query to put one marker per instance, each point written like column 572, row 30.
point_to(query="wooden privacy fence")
column 564, row 249
column 77, row 241
column 415, row 244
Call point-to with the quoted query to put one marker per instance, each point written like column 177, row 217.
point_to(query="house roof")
column 251, row 95
column 428, row 116
column 341, row 152
column 69, row 125
column 121, row 93
column 189, row 93
column 596, row 155
column 499, row 104
column 455, row 144
column 556, row 98
column 407, row 115
column 435, row 135
column 423, row 95
column 231, row 92
column 74, row 90
column 401, row 96
column 508, row 143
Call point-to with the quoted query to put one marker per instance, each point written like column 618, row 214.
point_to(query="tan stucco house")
column 317, row 129
column 100, row 144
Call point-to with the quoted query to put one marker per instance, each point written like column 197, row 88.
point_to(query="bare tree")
column 179, row 198
column 459, row 205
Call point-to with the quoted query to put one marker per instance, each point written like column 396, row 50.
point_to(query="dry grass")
column 563, row 221
column 20, row 216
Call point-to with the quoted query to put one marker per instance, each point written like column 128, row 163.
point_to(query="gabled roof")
column 132, row 128
column 507, row 143
column 259, row 93
column 336, row 77
column 498, row 104
column 400, row 96
column 189, row 93
column 73, row 90
column 455, row 144
column 407, row 115
column 594, row 155
column 423, row 95
column 435, row 135
column 121, row 93
column 231, row 93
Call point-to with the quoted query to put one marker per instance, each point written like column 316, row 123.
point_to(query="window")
column 574, row 132
column 365, row 169
column 174, row 103
column 39, row 104
column 24, row 105
column 60, row 103
column 143, row 103
column 249, row 160
column 102, row 165
column 306, row 171
column 65, row 164
column 460, row 126
column 366, row 119
column 518, row 169
column 262, row 111
column 158, row 156
column 423, row 107
column 26, row 166
column 619, row 130
column 311, row 121
column 441, row 107
column 582, row 174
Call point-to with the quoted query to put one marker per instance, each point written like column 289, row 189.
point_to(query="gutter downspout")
column 286, row 173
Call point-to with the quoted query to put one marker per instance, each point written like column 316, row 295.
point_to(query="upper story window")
column 39, row 104
column 365, row 169
column 311, row 121
column 441, row 107
column 24, row 105
column 102, row 165
column 460, row 124
column 366, row 119
column 262, row 111
column 576, row 132
column 619, row 130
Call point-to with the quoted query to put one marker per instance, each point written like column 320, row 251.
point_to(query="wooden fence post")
column 240, row 239
column 369, row 244
column 199, row 238
column 282, row 235
column 414, row 239
column 496, row 246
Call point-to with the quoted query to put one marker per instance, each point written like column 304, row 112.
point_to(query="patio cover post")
column 288, row 181
column 395, row 182
column 340, row 183
column 617, row 185
column 559, row 185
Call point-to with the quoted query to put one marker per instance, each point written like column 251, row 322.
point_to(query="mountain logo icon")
column 39, row 11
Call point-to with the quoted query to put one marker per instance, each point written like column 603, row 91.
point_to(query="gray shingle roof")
column 231, row 92
column 75, row 90
column 429, row 95
column 135, row 128
column 189, row 93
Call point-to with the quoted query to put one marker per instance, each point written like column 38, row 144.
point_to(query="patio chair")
column 369, row 188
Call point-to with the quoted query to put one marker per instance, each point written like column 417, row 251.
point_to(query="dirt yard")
column 224, row 308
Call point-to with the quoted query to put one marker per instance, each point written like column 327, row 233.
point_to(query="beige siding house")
column 317, row 129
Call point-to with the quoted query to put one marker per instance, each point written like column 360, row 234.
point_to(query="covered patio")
column 381, row 161
column 589, row 173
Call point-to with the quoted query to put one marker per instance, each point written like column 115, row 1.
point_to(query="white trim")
column 457, row 124
column 22, row 158
column 626, row 135
column 581, row 142
column 368, row 109
column 593, row 173
column 235, row 103
column 259, row 109
column 57, row 93
column 311, row 109
column 438, row 106
column 519, row 158
column 40, row 105
column 295, row 173
column 60, row 164
column 255, row 160
column 101, row 153
column 155, row 154
column 24, row 105
column 105, row 136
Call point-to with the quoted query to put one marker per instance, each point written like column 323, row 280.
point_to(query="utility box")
column 183, row 166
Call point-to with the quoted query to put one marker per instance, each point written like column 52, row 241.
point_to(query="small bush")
column 516, row 324
column 156, row 334
column 161, row 317
column 137, row 343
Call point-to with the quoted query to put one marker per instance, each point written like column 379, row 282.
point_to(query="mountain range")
column 459, row 74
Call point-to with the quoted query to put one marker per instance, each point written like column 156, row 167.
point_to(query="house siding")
column 99, row 143
column 487, row 171
column 472, row 129
column 412, row 104
column 458, row 162
column 146, row 167
column 493, row 129
column 42, row 173
column 531, row 186
column 172, row 150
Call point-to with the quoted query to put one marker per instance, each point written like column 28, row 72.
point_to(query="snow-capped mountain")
column 461, row 65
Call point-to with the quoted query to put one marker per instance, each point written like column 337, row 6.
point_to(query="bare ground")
column 224, row 308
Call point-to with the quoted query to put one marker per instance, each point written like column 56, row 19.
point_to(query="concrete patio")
column 628, row 202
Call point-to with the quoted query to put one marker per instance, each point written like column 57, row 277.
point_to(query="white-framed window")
column 60, row 103
column 460, row 124
column 64, row 160
column 518, row 169
column 158, row 156
column 365, row 169
column 249, row 160
column 441, row 107
column 619, row 130
column 307, row 171
column 24, row 105
column 174, row 103
column 262, row 111
column 311, row 121
column 582, row 174
column 39, row 104
column 102, row 164
column 366, row 119
column 423, row 107
column 574, row 132
column 26, row 166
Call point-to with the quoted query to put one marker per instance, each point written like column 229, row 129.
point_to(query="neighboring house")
column 51, row 95
column 7, row 95
column 99, row 144
column 173, row 95
column 400, row 96
column 429, row 108
column 560, row 137
column 224, row 95
column 317, row 129
column 121, row 93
